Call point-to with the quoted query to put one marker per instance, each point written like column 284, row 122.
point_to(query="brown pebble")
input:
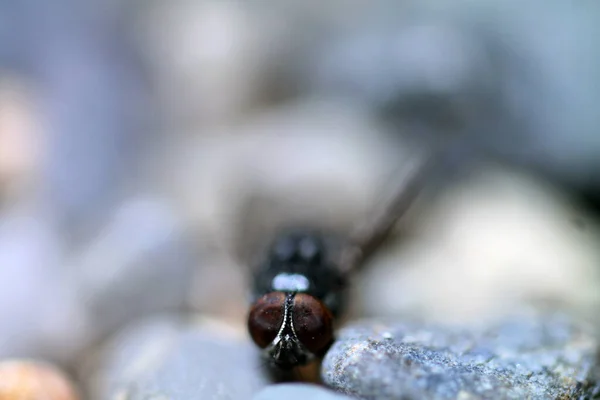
column 33, row 380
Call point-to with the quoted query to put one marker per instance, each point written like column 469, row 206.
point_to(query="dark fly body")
column 297, row 296
column 298, row 291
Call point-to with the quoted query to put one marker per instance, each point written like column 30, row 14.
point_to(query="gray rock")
column 176, row 360
column 141, row 263
column 298, row 391
column 514, row 100
column 474, row 243
column 532, row 355
column 92, row 100
column 54, row 305
column 40, row 316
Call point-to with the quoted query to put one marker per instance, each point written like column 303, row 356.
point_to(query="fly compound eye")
column 312, row 323
column 265, row 318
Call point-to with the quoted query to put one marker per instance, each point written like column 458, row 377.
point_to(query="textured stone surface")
column 175, row 360
column 533, row 356
column 298, row 391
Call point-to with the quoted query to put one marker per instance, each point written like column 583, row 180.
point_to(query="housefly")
column 299, row 288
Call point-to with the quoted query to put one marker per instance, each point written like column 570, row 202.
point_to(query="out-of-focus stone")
column 210, row 58
column 409, row 55
column 294, row 391
column 179, row 360
column 91, row 143
column 531, row 103
column 19, row 141
column 220, row 287
column 40, row 313
column 33, row 380
column 483, row 248
column 314, row 161
column 142, row 262
column 529, row 355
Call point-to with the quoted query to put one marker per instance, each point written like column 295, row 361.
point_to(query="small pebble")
column 33, row 380
column 179, row 360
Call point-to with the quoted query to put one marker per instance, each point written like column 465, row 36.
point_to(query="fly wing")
column 367, row 237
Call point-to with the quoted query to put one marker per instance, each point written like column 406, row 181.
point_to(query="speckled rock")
column 298, row 391
column 179, row 360
column 529, row 356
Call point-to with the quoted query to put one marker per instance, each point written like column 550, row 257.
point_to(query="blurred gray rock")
column 531, row 355
column 54, row 304
column 298, row 391
column 518, row 78
column 142, row 262
column 8, row 44
column 93, row 103
column 164, row 358
column 496, row 232
column 229, row 42
column 350, row 154
column 39, row 312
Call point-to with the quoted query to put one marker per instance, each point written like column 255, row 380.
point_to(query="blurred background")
column 148, row 149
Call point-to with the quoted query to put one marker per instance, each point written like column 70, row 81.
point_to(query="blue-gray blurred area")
column 91, row 93
column 145, row 146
